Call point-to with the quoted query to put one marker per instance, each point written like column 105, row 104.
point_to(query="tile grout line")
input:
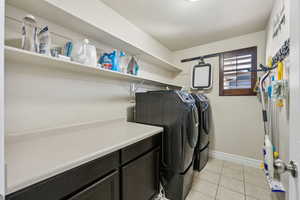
column 219, row 182
column 239, row 180
column 244, row 181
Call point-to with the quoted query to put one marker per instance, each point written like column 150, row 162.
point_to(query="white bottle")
column 84, row 53
column 91, row 54
column 123, row 61
column 30, row 34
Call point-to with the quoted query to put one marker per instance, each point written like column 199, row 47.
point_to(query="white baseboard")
column 236, row 159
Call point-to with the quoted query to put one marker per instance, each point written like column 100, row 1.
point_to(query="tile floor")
column 223, row 180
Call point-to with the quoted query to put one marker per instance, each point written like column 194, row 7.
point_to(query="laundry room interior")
column 149, row 100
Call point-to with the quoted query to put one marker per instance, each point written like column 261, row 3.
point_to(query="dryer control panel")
column 185, row 97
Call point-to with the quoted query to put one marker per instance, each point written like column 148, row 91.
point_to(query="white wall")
column 2, row 165
column 294, row 184
column 237, row 123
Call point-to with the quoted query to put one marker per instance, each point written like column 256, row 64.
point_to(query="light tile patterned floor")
column 223, row 180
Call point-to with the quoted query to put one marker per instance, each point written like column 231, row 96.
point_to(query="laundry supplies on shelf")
column 119, row 61
column 133, row 67
column 84, row 53
column 30, row 34
column 68, row 49
column 110, row 61
column 44, row 41
column 123, row 61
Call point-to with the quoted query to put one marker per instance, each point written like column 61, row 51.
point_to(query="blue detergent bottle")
column 110, row 61
column 115, row 60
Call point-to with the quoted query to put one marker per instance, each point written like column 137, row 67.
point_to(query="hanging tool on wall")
column 275, row 92
column 268, row 149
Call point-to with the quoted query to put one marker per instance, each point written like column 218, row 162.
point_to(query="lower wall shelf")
column 22, row 56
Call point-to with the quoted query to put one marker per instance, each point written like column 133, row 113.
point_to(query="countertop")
column 33, row 158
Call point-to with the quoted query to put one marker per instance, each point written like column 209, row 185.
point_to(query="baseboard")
column 236, row 159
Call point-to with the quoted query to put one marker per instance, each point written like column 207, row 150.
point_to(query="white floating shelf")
column 61, row 17
column 22, row 56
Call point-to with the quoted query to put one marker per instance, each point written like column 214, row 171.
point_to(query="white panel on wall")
column 2, row 161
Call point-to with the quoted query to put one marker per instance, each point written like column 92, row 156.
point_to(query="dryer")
column 202, row 147
column 177, row 113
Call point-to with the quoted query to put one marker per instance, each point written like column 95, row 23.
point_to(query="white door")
column 294, row 147
column 2, row 165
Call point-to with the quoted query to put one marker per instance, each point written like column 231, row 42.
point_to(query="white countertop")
column 36, row 157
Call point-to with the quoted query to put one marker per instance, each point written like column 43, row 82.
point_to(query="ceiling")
column 179, row 24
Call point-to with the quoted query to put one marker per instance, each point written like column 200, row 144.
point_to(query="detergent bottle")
column 106, row 61
column 110, row 61
column 115, row 61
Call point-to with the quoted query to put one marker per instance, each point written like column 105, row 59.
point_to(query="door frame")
column 294, row 134
column 2, row 160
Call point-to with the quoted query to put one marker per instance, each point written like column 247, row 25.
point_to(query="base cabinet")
column 105, row 189
column 140, row 178
column 129, row 174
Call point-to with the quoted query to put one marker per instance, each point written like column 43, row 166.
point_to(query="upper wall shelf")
column 62, row 17
column 21, row 56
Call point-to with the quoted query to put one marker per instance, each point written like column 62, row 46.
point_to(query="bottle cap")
column 86, row 41
column 276, row 154
column 30, row 18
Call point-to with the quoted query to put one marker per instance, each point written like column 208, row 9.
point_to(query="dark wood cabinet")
column 131, row 173
column 135, row 150
column 105, row 189
column 62, row 185
column 140, row 178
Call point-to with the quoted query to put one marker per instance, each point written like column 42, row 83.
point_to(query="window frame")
column 239, row 92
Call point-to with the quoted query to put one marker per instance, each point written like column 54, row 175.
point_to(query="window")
column 237, row 72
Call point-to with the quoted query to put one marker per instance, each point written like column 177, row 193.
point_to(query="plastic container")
column 105, row 61
column 84, row 53
column 115, row 61
column 110, row 61
column 30, row 34
column 123, row 62
column 44, row 41
column 133, row 67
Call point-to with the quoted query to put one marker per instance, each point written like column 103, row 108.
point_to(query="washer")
column 177, row 113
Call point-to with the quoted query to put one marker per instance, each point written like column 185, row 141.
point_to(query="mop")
column 268, row 152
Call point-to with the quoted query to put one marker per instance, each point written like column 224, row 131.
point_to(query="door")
column 294, row 137
column 140, row 178
column 2, row 165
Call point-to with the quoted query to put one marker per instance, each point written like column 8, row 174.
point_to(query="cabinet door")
column 140, row 178
column 105, row 189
